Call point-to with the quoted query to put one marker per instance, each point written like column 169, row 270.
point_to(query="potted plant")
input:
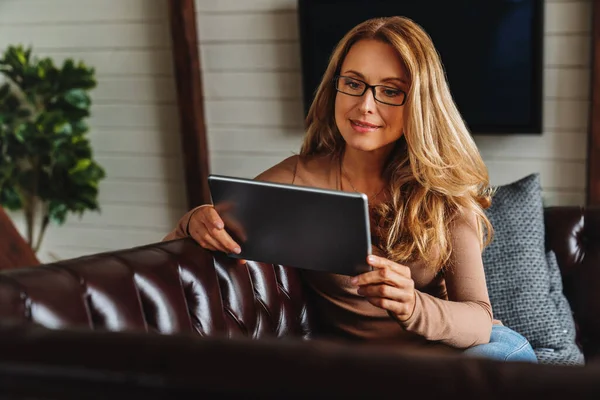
column 46, row 164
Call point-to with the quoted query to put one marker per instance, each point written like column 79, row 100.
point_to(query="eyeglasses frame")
column 367, row 87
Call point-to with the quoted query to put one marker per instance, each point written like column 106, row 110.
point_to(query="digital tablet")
column 295, row 226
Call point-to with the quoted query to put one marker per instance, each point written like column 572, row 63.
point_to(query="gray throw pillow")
column 523, row 281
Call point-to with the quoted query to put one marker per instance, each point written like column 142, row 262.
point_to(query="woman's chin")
column 361, row 144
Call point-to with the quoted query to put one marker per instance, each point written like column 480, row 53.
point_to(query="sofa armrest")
column 573, row 233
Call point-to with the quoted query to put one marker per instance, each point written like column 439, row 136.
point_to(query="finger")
column 382, row 262
column 214, row 224
column 222, row 241
column 226, row 241
column 210, row 217
column 234, row 227
column 383, row 275
column 206, row 246
column 242, row 261
column 204, row 238
column 385, row 292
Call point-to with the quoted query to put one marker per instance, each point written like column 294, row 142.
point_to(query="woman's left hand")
column 388, row 286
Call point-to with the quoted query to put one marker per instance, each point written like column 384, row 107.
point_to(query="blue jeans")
column 505, row 345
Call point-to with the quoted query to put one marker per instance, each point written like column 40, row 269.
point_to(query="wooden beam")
column 14, row 250
column 593, row 164
column 188, row 80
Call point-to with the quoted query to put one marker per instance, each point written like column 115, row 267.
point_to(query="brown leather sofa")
column 79, row 329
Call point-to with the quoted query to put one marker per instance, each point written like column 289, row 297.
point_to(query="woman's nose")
column 367, row 102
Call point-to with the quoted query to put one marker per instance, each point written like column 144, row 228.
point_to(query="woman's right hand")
column 207, row 227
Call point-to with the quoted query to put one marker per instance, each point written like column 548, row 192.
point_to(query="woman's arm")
column 281, row 173
column 465, row 319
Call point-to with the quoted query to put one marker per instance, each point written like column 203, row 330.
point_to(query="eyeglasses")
column 355, row 87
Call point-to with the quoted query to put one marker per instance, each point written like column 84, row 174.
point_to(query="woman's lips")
column 363, row 127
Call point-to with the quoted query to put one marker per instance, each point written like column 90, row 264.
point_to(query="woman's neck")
column 363, row 171
column 362, row 165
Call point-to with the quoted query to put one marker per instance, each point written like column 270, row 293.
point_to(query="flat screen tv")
column 491, row 51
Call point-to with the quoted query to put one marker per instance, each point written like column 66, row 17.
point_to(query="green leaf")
column 78, row 98
column 21, row 132
column 20, row 54
column 86, row 172
column 10, row 198
column 81, row 165
column 57, row 212
column 41, row 72
column 64, row 128
column 79, row 127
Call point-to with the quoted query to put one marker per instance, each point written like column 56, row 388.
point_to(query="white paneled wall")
column 251, row 70
column 134, row 126
column 560, row 153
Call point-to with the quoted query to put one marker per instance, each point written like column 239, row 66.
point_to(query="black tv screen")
column 491, row 51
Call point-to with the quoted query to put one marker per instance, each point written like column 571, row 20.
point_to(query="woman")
column 383, row 123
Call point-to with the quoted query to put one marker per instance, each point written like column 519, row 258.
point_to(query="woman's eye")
column 352, row 84
column 391, row 92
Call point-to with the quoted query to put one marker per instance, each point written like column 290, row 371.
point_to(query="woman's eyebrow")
column 401, row 80
column 351, row 71
column 361, row 76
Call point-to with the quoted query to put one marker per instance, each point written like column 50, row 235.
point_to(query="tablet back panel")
column 296, row 226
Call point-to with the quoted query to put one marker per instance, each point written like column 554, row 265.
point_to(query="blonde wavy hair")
column 435, row 172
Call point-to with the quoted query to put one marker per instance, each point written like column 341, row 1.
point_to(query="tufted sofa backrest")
column 177, row 286
column 165, row 287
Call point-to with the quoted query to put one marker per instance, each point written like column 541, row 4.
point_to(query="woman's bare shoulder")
column 282, row 172
column 300, row 170
column 317, row 164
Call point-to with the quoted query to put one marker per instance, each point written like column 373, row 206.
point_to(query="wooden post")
column 593, row 164
column 190, row 99
column 14, row 250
